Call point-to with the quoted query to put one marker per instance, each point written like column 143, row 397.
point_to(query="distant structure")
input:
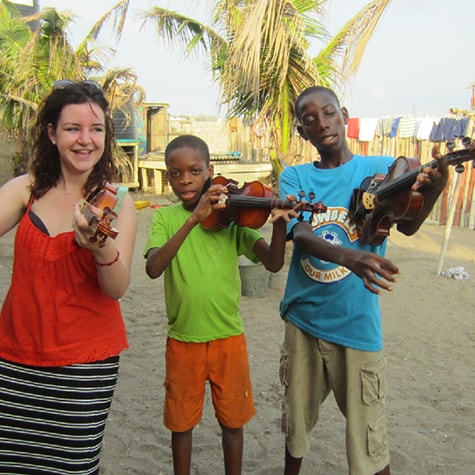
column 27, row 7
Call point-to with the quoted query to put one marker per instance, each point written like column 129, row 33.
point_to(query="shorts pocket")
column 283, row 366
column 373, row 382
column 377, row 436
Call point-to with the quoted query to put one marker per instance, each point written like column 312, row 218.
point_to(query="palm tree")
column 258, row 52
column 31, row 60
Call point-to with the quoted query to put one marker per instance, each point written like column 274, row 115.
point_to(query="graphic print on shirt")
column 335, row 227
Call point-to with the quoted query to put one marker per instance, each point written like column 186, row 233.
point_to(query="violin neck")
column 259, row 202
column 403, row 182
column 92, row 219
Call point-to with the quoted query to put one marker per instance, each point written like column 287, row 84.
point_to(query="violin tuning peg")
column 450, row 145
column 311, row 196
column 301, row 194
column 466, row 142
column 459, row 168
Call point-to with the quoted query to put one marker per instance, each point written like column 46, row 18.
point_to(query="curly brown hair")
column 45, row 166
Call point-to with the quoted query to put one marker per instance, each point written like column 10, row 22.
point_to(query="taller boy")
column 333, row 337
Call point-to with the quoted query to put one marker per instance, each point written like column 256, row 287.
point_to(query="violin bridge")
column 367, row 200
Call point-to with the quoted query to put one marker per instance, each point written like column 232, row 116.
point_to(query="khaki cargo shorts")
column 309, row 369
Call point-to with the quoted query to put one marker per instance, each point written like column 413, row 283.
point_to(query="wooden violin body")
column 104, row 199
column 250, row 205
column 384, row 200
column 375, row 214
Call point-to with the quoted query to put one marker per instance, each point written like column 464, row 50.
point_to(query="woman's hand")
column 92, row 226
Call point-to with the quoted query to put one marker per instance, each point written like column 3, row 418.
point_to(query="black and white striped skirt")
column 52, row 420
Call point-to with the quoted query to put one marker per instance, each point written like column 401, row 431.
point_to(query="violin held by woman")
column 104, row 200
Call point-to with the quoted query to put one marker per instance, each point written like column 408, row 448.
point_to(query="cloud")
column 377, row 92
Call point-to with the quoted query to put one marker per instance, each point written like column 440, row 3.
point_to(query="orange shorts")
column 224, row 363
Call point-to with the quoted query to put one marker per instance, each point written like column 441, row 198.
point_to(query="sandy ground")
column 429, row 338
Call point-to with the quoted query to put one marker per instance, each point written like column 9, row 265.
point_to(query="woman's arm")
column 14, row 196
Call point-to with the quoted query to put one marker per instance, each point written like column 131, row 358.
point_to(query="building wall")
column 213, row 132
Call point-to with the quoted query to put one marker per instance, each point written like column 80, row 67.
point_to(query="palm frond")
column 182, row 31
column 118, row 13
column 349, row 44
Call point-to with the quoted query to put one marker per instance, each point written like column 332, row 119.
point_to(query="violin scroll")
column 308, row 206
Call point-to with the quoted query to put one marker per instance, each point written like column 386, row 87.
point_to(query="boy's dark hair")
column 312, row 90
column 188, row 141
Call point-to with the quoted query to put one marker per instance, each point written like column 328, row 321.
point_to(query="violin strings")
column 409, row 178
column 258, row 202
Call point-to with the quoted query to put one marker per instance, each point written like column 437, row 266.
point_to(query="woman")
column 61, row 328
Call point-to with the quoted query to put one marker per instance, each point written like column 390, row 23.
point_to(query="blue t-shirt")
column 323, row 298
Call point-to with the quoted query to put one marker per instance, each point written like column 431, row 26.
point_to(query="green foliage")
column 32, row 59
column 258, row 52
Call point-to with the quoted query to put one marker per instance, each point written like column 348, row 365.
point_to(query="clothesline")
column 440, row 129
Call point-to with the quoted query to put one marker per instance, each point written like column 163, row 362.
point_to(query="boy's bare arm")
column 272, row 256
column 376, row 272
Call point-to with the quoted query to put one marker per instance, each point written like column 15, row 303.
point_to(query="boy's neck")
column 334, row 160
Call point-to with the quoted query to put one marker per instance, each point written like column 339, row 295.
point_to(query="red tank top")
column 55, row 312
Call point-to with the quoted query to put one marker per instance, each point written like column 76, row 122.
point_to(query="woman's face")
column 79, row 136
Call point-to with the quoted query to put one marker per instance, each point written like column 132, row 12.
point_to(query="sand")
column 429, row 345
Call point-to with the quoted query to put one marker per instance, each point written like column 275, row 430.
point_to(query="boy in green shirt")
column 202, row 291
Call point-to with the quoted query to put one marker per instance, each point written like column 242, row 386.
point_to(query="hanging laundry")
column 407, row 127
column 449, row 128
column 424, row 128
column 461, row 127
column 367, row 129
column 395, row 127
column 437, row 132
column 353, row 128
column 384, row 126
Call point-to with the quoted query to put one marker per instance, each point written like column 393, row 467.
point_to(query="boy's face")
column 187, row 173
column 322, row 121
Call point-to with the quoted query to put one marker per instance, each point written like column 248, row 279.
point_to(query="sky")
column 419, row 61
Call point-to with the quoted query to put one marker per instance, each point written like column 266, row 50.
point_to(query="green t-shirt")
column 202, row 283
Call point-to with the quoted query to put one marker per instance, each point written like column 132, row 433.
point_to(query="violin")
column 383, row 200
column 105, row 199
column 250, row 205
